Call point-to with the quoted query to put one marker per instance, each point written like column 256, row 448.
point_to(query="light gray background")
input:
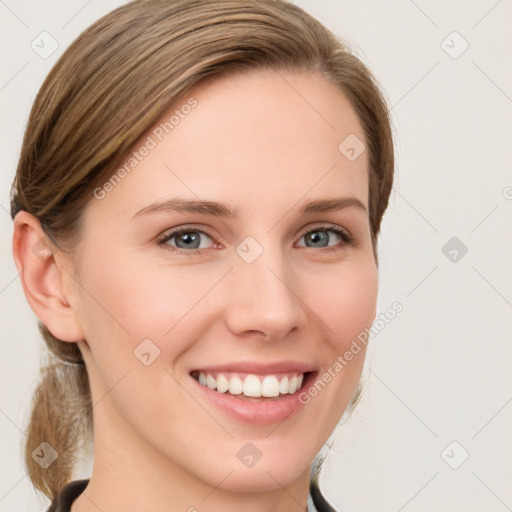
column 440, row 371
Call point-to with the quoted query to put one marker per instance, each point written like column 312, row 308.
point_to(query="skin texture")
column 264, row 143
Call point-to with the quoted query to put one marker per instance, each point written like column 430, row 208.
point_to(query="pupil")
column 315, row 237
column 188, row 239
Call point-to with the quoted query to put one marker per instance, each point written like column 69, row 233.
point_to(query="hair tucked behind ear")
column 112, row 85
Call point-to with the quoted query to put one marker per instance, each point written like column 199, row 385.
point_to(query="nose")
column 265, row 297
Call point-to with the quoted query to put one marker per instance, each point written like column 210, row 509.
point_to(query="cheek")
column 152, row 311
column 346, row 305
column 141, row 296
column 345, row 301
column 130, row 300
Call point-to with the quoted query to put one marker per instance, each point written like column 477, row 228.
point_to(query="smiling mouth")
column 252, row 387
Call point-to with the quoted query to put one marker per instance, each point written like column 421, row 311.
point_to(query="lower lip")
column 266, row 412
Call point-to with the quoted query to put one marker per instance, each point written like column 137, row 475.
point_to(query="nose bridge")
column 264, row 297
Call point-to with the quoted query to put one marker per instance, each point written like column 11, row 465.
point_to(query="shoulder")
column 66, row 496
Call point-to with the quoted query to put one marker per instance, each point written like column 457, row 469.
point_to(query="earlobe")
column 42, row 278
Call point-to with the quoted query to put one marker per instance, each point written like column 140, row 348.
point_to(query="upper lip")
column 259, row 368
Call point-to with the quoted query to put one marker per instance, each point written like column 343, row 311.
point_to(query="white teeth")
column 211, row 382
column 252, row 386
column 235, row 385
column 222, row 384
column 292, row 386
column 283, row 386
column 270, row 386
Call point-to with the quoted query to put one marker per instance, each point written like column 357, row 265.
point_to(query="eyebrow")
column 218, row 209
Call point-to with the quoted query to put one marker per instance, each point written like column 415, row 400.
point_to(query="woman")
column 196, row 208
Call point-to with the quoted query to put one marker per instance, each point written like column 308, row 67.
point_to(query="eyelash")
column 346, row 238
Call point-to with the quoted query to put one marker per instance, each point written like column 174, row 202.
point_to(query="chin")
column 261, row 478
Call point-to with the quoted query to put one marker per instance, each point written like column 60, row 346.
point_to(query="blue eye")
column 187, row 240
column 319, row 235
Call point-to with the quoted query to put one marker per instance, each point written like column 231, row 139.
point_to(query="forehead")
column 252, row 140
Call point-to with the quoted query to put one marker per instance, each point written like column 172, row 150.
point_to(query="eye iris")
column 315, row 237
column 188, row 239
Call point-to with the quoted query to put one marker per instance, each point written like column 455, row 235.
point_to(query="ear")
column 43, row 276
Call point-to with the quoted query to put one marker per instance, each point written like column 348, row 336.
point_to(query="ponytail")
column 60, row 420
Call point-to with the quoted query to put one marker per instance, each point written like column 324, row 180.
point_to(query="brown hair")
column 111, row 85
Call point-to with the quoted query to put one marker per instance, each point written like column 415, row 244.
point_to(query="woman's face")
column 271, row 291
